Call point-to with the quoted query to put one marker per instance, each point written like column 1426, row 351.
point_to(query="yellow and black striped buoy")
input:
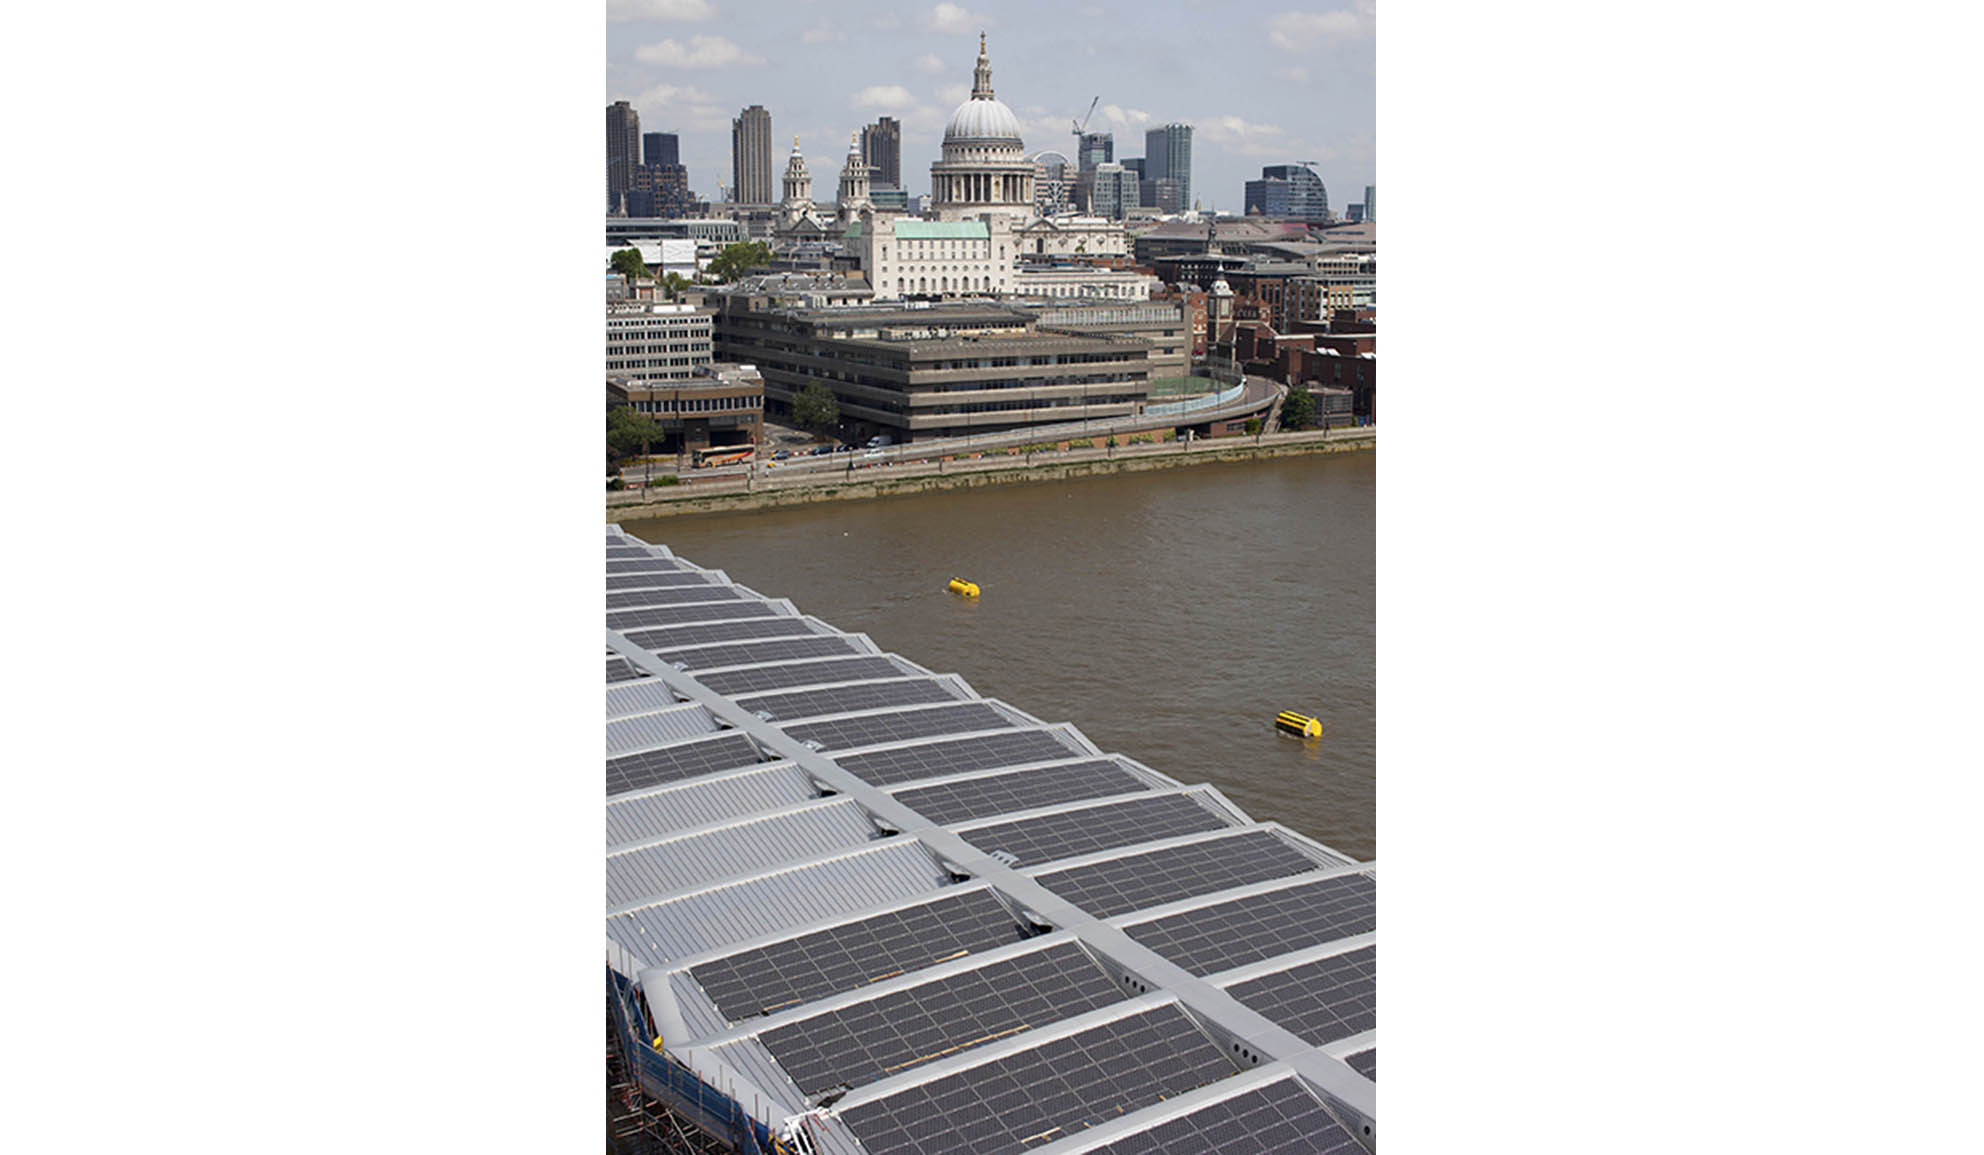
column 1300, row 725
column 963, row 588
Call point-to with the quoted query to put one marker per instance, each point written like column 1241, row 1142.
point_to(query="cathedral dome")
column 984, row 116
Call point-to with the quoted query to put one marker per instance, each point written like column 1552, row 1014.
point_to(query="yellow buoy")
column 963, row 587
column 1301, row 725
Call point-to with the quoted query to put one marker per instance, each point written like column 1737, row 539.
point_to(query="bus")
column 725, row 455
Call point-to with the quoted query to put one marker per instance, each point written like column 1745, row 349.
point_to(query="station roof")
column 880, row 907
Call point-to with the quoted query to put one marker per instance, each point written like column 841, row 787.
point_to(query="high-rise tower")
column 751, row 157
column 623, row 150
column 881, row 148
column 660, row 148
column 1168, row 156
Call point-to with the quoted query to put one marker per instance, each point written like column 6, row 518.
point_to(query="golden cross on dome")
column 981, row 43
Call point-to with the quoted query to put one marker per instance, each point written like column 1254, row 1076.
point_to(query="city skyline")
column 689, row 67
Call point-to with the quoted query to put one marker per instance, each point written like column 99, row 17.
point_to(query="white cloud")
column 658, row 10
column 1296, row 75
column 954, row 93
column 1299, row 31
column 1124, row 117
column 952, row 18
column 701, row 52
column 823, row 33
column 888, row 22
column 891, row 96
column 929, row 64
column 666, row 95
column 1235, row 134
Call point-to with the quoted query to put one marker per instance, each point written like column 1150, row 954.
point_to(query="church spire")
column 981, row 76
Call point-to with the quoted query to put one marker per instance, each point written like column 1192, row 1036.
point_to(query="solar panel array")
column 747, row 653
column 694, row 635
column 1121, row 885
column 932, row 759
column 875, row 729
column 1230, row 934
column 1061, row 1087
column 641, row 565
column 1365, row 1063
column 639, row 581
column 846, row 699
column 778, row 677
column 1004, row 793
column 1092, row 828
column 671, row 596
column 847, row 957
column 1323, row 1001
column 1278, row 1119
column 618, row 669
column 874, row 1039
column 684, row 615
column 682, row 760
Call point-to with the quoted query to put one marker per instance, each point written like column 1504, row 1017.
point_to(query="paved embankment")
column 768, row 490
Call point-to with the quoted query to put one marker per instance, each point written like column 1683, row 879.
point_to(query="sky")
column 1276, row 83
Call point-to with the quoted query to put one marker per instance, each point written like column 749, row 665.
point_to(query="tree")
column 815, row 409
column 1299, row 410
column 628, row 432
column 735, row 260
column 628, row 263
column 672, row 285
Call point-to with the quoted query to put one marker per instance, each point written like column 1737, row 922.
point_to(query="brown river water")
column 1168, row 614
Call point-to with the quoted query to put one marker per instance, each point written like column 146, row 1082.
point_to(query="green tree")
column 628, row 432
column 672, row 285
column 735, row 260
column 628, row 263
column 816, row 409
column 1299, row 410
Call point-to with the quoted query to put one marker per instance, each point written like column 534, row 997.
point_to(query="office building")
column 716, row 405
column 751, row 173
column 1290, row 192
column 623, row 151
column 1112, row 190
column 1168, row 156
column 881, row 151
column 1370, row 204
column 905, row 257
column 1354, row 214
column 656, row 342
column 660, row 148
column 1052, row 183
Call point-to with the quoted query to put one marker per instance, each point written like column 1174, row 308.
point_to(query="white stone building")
column 984, row 170
column 905, row 257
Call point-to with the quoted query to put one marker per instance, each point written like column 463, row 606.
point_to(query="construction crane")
column 1081, row 126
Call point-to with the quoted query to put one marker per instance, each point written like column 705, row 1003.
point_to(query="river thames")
column 1168, row 615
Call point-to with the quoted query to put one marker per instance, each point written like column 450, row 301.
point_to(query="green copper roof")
column 941, row 231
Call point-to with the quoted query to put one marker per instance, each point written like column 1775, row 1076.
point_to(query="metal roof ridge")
column 1287, row 960
column 743, row 699
column 702, row 780
column 752, row 818
column 808, row 661
column 1131, row 918
column 815, row 628
column 898, row 788
column 930, row 739
column 1350, row 1045
column 671, row 708
column 878, row 711
column 1025, row 1040
column 649, row 901
column 721, row 732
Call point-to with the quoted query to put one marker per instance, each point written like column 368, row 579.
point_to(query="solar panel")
column 844, row 699
column 734, row 682
column 747, row 653
column 875, row 1039
column 1121, row 885
column 1062, row 1087
column 933, row 759
column 613, row 539
column 626, row 551
column 1323, row 1001
column 673, row 595
column 1004, row 793
column 619, row 670
column 874, row 729
column 1365, row 1063
column 647, row 565
column 682, row 615
column 844, row 958
column 1036, row 840
column 1230, row 934
column 683, row 760
column 640, row 581
column 1278, row 1119
column 680, row 636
